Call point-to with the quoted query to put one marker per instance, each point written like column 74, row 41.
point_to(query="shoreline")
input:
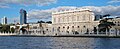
column 60, row 36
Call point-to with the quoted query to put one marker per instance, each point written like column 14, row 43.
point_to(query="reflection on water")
column 58, row 43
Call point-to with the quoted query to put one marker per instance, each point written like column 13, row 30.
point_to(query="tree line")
column 6, row 28
column 105, row 24
column 44, row 22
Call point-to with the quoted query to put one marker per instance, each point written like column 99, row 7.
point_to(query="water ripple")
column 58, row 43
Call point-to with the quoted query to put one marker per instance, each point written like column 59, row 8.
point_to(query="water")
column 58, row 43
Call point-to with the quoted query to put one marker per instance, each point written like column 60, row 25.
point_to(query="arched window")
column 63, row 27
column 84, row 26
column 47, row 29
column 68, row 27
column 53, row 29
column 58, row 29
column 78, row 26
column 72, row 26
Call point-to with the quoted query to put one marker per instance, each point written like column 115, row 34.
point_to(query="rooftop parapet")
column 71, row 10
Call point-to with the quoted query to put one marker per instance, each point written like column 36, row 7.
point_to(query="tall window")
column 89, row 17
column 58, row 20
column 54, row 20
column 72, row 26
column 53, row 29
column 68, row 27
column 72, row 18
column 63, row 19
column 63, row 27
column 67, row 18
column 58, row 29
column 77, row 18
column 83, row 17
column 78, row 27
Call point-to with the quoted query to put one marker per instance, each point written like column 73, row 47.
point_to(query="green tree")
column 49, row 22
column 0, row 27
column 11, row 24
column 104, row 24
column 12, row 30
column 5, row 28
column 0, row 24
column 41, row 21
column 106, row 15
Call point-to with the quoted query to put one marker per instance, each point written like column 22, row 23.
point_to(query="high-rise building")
column 4, row 20
column 23, row 16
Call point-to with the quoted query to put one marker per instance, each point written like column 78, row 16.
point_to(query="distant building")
column 116, row 21
column 4, row 20
column 40, row 26
column 23, row 17
column 98, row 17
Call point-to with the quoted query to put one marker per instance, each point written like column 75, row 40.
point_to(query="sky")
column 41, row 9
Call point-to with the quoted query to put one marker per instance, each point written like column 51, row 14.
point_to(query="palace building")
column 73, row 21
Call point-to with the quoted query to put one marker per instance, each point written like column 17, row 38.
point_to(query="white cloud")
column 112, row 10
column 2, row 5
column 27, row 2
column 45, row 14
column 114, row 1
column 39, row 14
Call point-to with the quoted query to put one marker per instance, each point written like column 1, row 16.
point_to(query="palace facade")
column 73, row 21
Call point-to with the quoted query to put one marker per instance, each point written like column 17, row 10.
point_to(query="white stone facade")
column 41, row 28
column 116, row 21
column 77, row 20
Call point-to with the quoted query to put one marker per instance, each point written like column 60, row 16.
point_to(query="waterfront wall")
column 112, row 32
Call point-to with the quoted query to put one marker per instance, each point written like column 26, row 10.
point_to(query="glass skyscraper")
column 23, row 17
column 4, row 20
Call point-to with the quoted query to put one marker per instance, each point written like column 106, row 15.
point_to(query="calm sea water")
column 58, row 43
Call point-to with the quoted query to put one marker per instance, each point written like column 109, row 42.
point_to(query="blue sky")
column 41, row 9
